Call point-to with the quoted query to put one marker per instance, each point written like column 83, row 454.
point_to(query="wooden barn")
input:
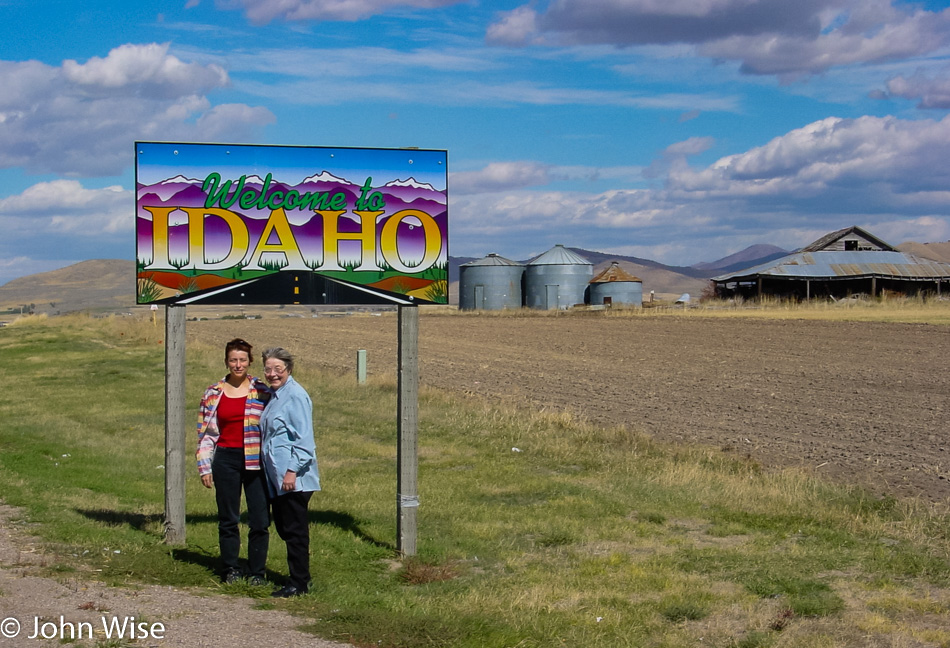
column 848, row 262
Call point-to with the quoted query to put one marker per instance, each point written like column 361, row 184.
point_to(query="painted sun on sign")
column 242, row 224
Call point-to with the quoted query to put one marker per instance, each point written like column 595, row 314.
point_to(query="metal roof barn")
column 491, row 283
column 557, row 279
column 845, row 262
column 843, row 265
column 860, row 271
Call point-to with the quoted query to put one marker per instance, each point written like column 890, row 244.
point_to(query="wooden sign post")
column 174, row 425
column 407, row 485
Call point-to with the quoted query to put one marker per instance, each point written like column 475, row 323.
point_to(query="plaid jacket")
column 208, row 432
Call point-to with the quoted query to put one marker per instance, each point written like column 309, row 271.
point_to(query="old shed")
column 616, row 287
column 846, row 262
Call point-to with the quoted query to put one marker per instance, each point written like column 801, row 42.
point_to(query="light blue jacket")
column 287, row 439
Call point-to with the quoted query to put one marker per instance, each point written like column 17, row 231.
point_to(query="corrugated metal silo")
column 492, row 283
column 557, row 279
column 617, row 287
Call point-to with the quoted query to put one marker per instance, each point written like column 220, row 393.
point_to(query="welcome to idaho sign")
column 242, row 224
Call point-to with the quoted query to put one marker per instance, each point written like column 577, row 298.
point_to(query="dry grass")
column 419, row 572
column 913, row 310
column 537, row 528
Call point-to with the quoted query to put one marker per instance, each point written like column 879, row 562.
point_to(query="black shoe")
column 256, row 581
column 233, row 576
column 288, row 591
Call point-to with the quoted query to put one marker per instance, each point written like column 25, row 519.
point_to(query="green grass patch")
column 534, row 529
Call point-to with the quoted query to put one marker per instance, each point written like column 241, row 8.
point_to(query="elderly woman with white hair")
column 289, row 456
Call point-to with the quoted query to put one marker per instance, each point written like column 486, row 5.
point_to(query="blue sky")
column 675, row 130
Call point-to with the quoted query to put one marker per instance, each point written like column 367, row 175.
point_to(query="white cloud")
column 448, row 76
column 81, row 119
column 264, row 11
column 474, row 93
column 500, row 176
column 926, row 229
column 877, row 161
column 691, row 146
column 335, row 63
column 885, row 174
column 874, row 32
column 147, row 67
column 65, row 207
column 516, row 27
column 932, row 92
column 767, row 36
column 497, row 177
column 675, row 155
column 557, row 210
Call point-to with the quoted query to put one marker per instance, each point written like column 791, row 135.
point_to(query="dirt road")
column 74, row 608
column 862, row 403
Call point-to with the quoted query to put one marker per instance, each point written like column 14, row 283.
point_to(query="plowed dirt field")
column 863, row 403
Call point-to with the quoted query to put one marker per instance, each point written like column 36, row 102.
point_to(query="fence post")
column 361, row 366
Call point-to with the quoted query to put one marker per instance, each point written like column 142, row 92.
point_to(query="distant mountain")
column 932, row 251
column 97, row 285
column 109, row 284
column 751, row 256
column 598, row 258
column 454, row 263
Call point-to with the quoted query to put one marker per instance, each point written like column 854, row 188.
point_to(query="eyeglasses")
column 275, row 370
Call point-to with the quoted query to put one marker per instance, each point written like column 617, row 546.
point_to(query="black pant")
column 293, row 526
column 230, row 476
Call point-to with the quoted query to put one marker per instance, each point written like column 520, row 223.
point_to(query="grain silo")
column 492, row 283
column 557, row 279
column 616, row 287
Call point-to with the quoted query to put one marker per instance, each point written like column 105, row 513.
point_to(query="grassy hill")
column 96, row 285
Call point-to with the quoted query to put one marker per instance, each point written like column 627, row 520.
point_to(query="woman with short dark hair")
column 289, row 454
column 229, row 447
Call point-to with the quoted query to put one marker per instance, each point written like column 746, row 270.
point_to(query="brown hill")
column 109, row 285
column 933, row 251
column 97, row 285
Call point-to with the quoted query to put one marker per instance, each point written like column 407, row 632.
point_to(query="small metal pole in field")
column 407, row 492
column 361, row 366
column 175, row 425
